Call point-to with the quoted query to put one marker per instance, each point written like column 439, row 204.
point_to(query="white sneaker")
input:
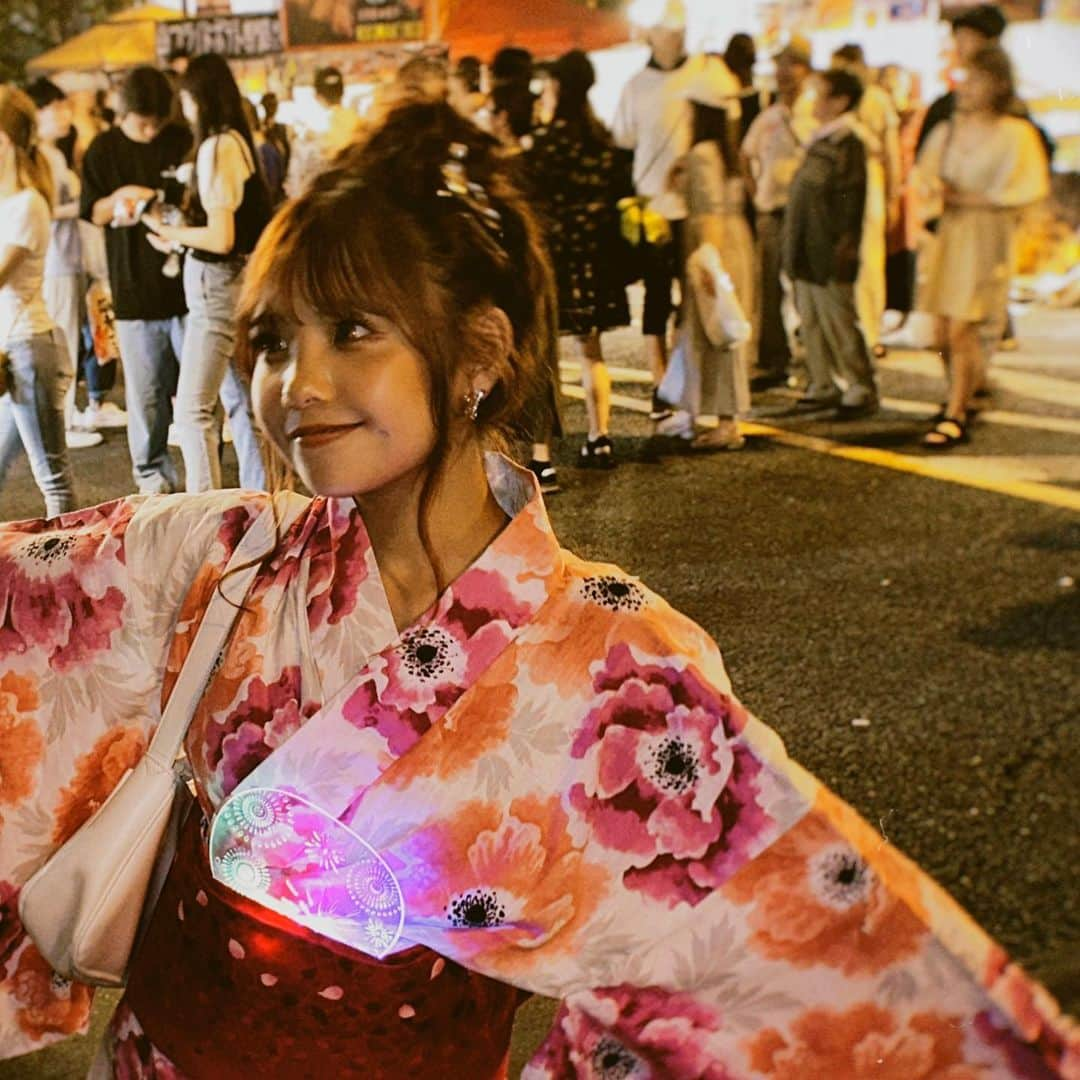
column 680, row 425
column 82, row 440
column 105, row 415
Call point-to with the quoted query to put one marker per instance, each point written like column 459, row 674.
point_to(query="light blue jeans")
column 32, row 416
column 150, row 351
column 208, row 371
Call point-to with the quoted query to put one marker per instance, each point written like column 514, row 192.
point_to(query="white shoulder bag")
column 86, row 907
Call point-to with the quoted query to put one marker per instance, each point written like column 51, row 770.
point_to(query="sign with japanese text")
column 237, row 37
column 346, row 22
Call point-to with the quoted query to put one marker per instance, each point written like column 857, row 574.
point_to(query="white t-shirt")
column 24, row 223
column 655, row 120
column 223, row 166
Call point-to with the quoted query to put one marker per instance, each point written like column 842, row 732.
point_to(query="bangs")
column 339, row 261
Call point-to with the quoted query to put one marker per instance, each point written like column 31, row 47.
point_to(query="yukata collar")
column 525, row 556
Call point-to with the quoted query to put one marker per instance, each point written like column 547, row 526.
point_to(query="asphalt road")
column 943, row 614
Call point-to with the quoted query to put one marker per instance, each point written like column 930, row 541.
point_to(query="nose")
column 308, row 379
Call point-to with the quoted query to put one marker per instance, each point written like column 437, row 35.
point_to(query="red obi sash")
column 227, row 989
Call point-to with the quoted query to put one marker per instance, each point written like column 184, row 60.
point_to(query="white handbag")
column 85, row 908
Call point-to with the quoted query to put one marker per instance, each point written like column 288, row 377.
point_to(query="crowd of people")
column 435, row 762
column 705, row 179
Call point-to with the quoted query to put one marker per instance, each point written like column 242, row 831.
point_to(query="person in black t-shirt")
column 121, row 171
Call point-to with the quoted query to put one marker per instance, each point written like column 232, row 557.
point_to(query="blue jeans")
column 150, row 352
column 32, row 416
column 207, row 372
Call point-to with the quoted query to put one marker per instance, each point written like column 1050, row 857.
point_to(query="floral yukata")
column 553, row 764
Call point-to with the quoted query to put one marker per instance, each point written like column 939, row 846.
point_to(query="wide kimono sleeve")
column 88, row 607
column 743, row 921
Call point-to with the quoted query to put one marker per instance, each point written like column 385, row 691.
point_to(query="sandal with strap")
column 946, row 434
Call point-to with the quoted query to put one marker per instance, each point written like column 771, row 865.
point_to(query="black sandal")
column 946, row 434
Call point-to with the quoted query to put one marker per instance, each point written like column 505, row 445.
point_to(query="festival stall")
column 124, row 40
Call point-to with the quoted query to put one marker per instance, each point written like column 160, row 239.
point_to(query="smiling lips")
column 320, row 434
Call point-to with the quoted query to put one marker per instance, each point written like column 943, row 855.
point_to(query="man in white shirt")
column 315, row 149
column 771, row 154
column 655, row 120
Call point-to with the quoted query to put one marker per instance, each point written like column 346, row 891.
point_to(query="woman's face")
column 189, row 108
column 976, row 92
column 346, row 402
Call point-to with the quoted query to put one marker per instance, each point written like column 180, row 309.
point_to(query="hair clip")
column 457, row 185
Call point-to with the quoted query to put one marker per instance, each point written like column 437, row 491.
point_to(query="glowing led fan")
column 283, row 852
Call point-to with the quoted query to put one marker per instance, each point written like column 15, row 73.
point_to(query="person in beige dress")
column 717, row 381
column 984, row 166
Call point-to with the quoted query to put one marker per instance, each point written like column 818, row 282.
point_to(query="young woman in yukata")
column 567, row 798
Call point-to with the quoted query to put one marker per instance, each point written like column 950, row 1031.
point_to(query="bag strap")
column 211, row 638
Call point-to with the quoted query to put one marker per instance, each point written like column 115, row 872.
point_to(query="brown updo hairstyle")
column 372, row 233
column 993, row 60
column 18, row 121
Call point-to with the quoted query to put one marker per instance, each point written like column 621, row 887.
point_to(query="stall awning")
column 547, row 28
column 125, row 40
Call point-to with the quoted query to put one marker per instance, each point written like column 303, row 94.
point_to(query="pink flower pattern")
column 668, row 781
column 57, row 593
column 644, row 1035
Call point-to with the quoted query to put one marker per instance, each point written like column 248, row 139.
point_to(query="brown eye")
column 351, row 331
column 266, row 346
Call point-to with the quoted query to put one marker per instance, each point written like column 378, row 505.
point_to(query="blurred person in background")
column 985, row 165
column 881, row 127
column 740, row 57
column 715, row 378
column 277, row 134
column 771, row 154
column 902, row 239
column 65, row 283
column 35, row 366
column 316, row 147
column 229, row 207
column 270, row 159
column 514, row 108
column 177, row 61
column 577, row 175
column 122, row 170
column 823, row 227
column 512, row 65
column 422, row 78
column 654, row 119
column 972, row 29
column 465, row 91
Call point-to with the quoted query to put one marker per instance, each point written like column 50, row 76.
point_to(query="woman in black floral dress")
column 578, row 175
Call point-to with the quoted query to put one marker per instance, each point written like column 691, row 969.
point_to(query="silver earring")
column 473, row 401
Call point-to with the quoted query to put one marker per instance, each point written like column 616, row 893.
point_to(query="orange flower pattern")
column 816, row 900
column 46, row 1006
column 21, row 742
column 554, row 765
column 96, row 774
column 866, row 1042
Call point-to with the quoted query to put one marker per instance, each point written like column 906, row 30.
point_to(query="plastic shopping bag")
column 722, row 317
